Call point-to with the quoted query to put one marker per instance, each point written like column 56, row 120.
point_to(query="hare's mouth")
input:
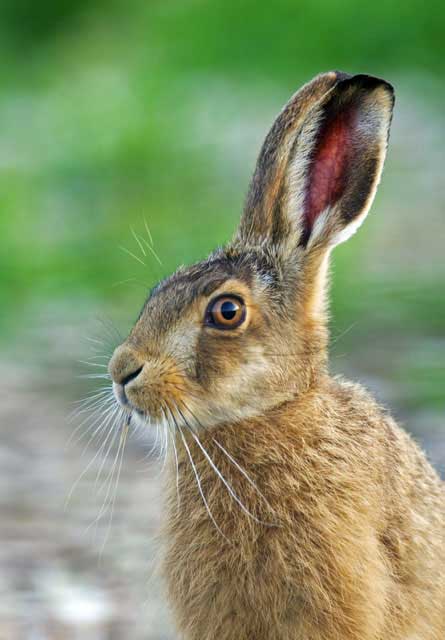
column 144, row 409
column 122, row 399
column 120, row 395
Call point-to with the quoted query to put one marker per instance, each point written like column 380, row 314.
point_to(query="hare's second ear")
column 320, row 164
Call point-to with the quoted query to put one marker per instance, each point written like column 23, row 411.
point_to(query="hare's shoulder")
column 367, row 431
column 340, row 420
column 355, row 399
column 359, row 413
column 342, row 409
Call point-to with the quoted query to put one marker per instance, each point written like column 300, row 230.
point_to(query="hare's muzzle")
column 125, row 367
column 149, row 384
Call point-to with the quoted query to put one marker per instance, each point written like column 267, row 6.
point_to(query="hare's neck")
column 215, row 482
column 227, row 476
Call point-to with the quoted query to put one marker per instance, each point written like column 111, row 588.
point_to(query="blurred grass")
column 117, row 112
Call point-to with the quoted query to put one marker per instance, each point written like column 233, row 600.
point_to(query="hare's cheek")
column 247, row 377
column 239, row 376
column 216, row 361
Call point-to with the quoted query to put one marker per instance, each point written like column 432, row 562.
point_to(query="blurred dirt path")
column 55, row 583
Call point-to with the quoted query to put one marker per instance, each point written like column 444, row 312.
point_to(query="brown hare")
column 296, row 508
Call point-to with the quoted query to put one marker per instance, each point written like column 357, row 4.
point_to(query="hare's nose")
column 131, row 376
column 125, row 366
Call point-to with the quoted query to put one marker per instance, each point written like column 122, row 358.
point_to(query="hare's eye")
column 225, row 312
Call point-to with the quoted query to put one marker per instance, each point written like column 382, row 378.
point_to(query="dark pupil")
column 228, row 310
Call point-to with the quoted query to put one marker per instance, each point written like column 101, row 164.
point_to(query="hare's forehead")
column 170, row 300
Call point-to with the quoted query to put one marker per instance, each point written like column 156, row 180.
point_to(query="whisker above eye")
column 133, row 281
column 136, row 237
column 147, row 229
column 152, row 251
column 132, row 255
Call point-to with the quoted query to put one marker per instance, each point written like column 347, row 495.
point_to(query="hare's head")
column 244, row 330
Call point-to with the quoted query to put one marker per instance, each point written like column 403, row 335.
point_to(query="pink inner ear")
column 328, row 169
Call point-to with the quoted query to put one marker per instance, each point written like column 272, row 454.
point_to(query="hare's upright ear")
column 320, row 164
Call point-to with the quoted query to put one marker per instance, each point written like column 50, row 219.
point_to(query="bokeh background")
column 120, row 116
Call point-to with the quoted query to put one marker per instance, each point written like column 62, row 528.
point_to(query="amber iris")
column 226, row 312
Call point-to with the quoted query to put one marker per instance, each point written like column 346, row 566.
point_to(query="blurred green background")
column 113, row 112
column 116, row 114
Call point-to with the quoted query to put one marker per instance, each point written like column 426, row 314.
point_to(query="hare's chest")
column 227, row 569
column 219, row 593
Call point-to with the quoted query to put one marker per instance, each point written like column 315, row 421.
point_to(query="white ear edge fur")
column 352, row 227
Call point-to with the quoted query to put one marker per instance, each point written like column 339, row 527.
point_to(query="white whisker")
column 152, row 251
column 86, row 469
column 110, row 328
column 150, row 237
column 172, row 433
column 109, row 478
column 95, row 341
column 220, row 475
column 135, row 236
column 107, row 417
column 113, row 429
column 133, row 256
column 175, row 452
column 90, row 409
column 102, row 406
column 111, row 472
column 116, row 484
column 95, row 376
column 164, row 440
column 93, row 364
column 242, row 471
column 89, row 404
column 198, row 481
column 99, row 391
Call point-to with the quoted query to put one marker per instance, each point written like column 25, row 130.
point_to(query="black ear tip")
column 342, row 75
column 372, row 82
column 363, row 81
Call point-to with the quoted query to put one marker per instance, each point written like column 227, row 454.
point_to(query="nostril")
column 119, row 392
column 131, row 376
column 125, row 365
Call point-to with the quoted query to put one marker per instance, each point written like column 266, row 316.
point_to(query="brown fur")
column 300, row 510
column 358, row 552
